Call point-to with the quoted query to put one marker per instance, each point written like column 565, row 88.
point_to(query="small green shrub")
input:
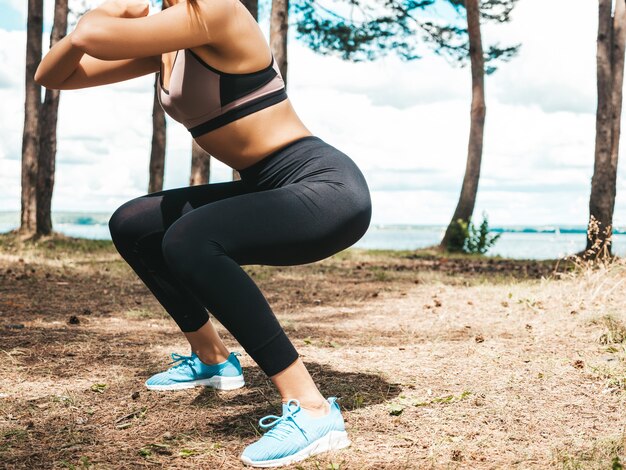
column 466, row 237
column 479, row 239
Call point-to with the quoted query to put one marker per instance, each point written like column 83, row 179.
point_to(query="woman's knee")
column 131, row 221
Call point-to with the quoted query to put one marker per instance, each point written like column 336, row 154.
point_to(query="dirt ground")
column 459, row 362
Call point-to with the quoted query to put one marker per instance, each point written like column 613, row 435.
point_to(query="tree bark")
column 467, row 199
column 278, row 34
column 159, row 140
column 32, row 107
column 200, row 165
column 157, row 149
column 610, row 78
column 46, row 161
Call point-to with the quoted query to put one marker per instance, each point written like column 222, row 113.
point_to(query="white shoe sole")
column 217, row 382
column 334, row 440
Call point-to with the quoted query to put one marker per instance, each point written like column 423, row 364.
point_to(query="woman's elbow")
column 90, row 39
column 49, row 86
column 38, row 77
column 41, row 80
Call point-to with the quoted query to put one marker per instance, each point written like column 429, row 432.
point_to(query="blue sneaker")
column 296, row 435
column 192, row 372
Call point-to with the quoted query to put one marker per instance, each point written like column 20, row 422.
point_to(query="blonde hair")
column 194, row 6
column 193, row 3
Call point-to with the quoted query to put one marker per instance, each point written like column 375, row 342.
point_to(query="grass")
column 54, row 246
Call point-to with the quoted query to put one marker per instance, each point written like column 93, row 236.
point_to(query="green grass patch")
column 54, row 245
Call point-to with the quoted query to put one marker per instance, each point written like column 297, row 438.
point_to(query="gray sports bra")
column 203, row 98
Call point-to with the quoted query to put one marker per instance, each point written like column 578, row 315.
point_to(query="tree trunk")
column 610, row 79
column 32, row 107
column 467, row 199
column 159, row 140
column 48, row 132
column 200, row 165
column 159, row 137
column 278, row 34
column 253, row 8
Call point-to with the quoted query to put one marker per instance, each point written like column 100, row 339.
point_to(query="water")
column 525, row 242
column 536, row 242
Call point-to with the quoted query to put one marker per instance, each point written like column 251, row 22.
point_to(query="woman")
column 299, row 199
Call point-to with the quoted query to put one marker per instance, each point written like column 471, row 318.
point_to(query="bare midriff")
column 249, row 139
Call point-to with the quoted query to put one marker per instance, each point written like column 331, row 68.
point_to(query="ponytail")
column 193, row 3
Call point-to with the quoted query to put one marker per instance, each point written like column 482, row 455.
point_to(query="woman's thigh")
column 156, row 212
column 295, row 224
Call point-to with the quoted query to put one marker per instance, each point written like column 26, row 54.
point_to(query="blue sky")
column 11, row 19
column 404, row 123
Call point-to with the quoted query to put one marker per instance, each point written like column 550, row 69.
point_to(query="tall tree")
column 157, row 148
column 32, row 107
column 469, row 189
column 279, row 25
column 159, row 140
column 610, row 79
column 200, row 165
column 48, row 132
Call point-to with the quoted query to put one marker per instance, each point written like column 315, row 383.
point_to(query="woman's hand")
column 126, row 8
column 107, row 37
column 95, row 22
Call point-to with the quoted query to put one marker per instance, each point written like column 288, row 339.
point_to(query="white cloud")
column 555, row 68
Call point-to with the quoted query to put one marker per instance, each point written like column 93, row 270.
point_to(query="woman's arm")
column 113, row 42
column 59, row 63
column 95, row 72
column 67, row 67
column 106, row 34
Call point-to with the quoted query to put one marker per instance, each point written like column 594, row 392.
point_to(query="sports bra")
column 203, row 98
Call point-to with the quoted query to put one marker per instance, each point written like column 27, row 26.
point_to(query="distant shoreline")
column 547, row 241
column 95, row 218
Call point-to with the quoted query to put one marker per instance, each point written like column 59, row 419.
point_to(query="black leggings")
column 300, row 204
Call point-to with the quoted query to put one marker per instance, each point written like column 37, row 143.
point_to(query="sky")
column 405, row 124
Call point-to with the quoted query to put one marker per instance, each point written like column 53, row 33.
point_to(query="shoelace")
column 186, row 360
column 282, row 425
column 182, row 361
